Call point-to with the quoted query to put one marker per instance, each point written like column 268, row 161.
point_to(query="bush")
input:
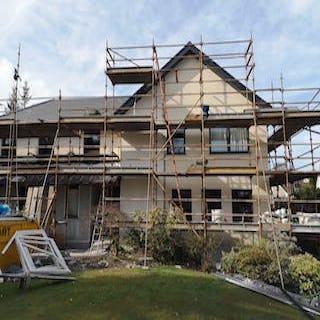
column 304, row 270
column 188, row 249
column 252, row 262
column 260, row 262
column 133, row 239
column 228, row 261
column 285, row 249
column 160, row 239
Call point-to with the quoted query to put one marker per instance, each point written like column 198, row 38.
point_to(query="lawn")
column 156, row 293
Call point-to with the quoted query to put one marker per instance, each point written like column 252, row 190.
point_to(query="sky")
column 63, row 41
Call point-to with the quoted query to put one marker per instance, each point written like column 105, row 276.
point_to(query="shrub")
column 188, row 249
column 285, row 249
column 160, row 240
column 304, row 270
column 228, row 261
column 260, row 262
column 134, row 239
column 252, row 262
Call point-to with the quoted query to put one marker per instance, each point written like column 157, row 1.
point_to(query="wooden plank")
column 130, row 75
column 39, row 204
column 222, row 170
column 28, row 202
column 33, row 204
column 50, row 201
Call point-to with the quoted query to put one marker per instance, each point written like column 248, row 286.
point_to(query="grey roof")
column 70, row 107
column 95, row 106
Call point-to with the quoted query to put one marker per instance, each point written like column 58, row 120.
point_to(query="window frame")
column 216, row 204
column 91, row 144
column 215, row 194
column 247, row 205
column 228, row 146
column 186, row 201
column 180, row 133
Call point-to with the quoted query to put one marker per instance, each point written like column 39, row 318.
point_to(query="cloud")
column 63, row 41
column 299, row 7
column 6, row 79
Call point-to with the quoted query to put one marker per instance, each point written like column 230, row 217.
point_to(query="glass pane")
column 185, row 195
column 238, row 139
column 178, row 144
column 178, row 141
column 219, row 140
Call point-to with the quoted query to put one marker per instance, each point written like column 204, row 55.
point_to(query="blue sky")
column 63, row 41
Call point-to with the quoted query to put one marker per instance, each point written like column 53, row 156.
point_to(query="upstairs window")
column 45, row 145
column 229, row 140
column 178, row 141
column 5, row 147
column 91, row 144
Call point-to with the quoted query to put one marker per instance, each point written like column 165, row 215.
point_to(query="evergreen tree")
column 13, row 99
column 25, row 95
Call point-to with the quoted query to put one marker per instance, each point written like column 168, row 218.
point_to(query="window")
column 6, row 147
column 242, row 208
column 113, row 195
column 73, row 202
column 228, row 140
column 178, row 141
column 92, row 144
column 213, row 201
column 45, row 145
column 185, row 201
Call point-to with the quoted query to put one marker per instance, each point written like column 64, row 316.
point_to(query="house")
column 191, row 140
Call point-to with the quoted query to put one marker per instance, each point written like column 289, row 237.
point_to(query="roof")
column 191, row 49
column 70, row 107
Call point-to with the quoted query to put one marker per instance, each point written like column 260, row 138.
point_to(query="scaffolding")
column 184, row 125
column 125, row 66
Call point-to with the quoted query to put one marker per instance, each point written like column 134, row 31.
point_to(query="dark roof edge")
column 190, row 48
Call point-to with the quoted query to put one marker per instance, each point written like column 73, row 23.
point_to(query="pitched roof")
column 70, row 107
column 191, row 49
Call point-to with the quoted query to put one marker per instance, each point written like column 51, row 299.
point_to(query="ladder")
column 99, row 238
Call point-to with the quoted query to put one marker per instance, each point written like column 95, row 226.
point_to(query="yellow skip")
column 8, row 226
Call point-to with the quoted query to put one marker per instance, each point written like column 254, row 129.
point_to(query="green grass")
column 157, row 293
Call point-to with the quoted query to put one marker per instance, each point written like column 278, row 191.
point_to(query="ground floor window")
column 186, row 201
column 242, row 208
column 213, row 203
column 113, row 197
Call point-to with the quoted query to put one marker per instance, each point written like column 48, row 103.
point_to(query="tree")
column 13, row 99
column 25, row 95
column 307, row 190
